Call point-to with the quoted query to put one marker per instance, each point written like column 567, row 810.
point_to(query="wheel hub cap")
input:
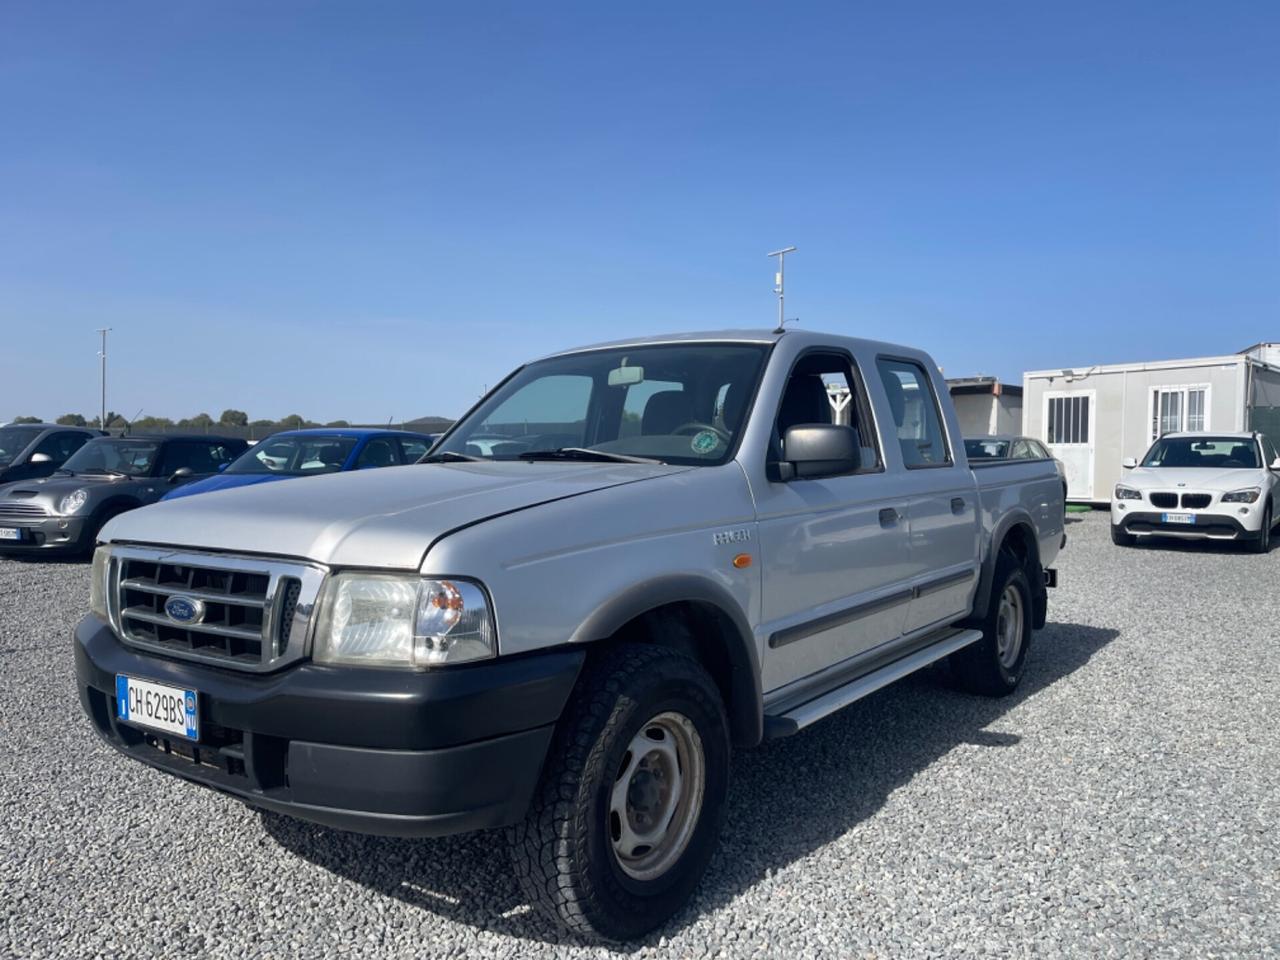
column 657, row 796
column 1009, row 627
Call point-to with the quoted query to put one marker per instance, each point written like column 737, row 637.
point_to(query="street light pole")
column 102, row 354
column 777, row 288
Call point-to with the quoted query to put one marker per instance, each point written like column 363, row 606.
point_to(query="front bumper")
column 51, row 534
column 388, row 752
column 1208, row 526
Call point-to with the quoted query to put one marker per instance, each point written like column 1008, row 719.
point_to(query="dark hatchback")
column 32, row 450
column 63, row 513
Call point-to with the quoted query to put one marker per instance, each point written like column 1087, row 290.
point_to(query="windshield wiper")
column 69, row 473
column 583, row 453
column 450, row 456
column 104, row 473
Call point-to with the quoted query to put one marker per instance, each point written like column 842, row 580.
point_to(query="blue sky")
column 373, row 210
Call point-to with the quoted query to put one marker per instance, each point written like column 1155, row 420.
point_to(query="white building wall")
column 1121, row 416
column 982, row 414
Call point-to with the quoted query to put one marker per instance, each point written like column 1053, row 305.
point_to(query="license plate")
column 1178, row 518
column 10, row 533
column 168, row 709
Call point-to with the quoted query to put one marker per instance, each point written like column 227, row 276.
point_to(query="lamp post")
column 777, row 288
column 102, row 355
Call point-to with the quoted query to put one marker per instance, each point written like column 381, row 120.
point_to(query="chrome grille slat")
column 209, row 596
column 218, row 630
column 22, row 511
column 257, row 612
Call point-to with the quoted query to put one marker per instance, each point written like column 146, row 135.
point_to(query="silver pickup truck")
column 624, row 562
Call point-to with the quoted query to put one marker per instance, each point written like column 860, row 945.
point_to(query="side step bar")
column 811, row 711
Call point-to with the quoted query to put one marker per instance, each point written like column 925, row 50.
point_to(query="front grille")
column 22, row 511
column 1196, row 501
column 245, row 613
column 1165, row 500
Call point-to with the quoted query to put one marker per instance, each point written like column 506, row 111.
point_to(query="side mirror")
column 223, row 466
column 818, row 450
column 1275, row 464
column 40, row 458
column 180, row 474
column 1129, row 463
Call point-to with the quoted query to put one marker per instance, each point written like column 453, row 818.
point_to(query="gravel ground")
column 1121, row 804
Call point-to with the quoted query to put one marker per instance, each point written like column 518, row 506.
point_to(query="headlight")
column 393, row 620
column 98, row 582
column 1242, row 496
column 73, row 501
column 1127, row 493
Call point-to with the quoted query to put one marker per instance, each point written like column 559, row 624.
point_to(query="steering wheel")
column 697, row 426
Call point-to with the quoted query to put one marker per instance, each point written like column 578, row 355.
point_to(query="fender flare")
column 982, row 596
column 746, row 712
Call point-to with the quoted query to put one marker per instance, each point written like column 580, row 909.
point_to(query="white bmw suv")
column 1216, row 486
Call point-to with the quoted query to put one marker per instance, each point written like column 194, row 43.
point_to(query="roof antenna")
column 777, row 279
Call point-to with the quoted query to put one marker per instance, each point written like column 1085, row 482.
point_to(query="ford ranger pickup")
column 623, row 563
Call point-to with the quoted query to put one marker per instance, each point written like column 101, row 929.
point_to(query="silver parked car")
column 624, row 563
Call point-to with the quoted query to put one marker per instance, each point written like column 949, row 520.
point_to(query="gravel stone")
column 1122, row 803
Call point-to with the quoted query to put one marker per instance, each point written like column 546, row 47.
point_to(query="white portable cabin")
column 985, row 406
column 1093, row 418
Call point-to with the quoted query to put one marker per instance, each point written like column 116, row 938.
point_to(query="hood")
column 1209, row 479
column 366, row 518
column 223, row 481
column 52, row 489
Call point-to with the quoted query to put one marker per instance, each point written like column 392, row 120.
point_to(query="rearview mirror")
column 626, row 376
column 818, row 450
column 180, row 474
column 40, row 458
column 1129, row 463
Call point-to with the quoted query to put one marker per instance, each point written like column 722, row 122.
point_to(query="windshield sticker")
column 704, row 441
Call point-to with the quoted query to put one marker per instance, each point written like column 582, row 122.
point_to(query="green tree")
column 27, row 420
column 233, row 418
column 201, row 420
column 151, row 423
column 338, row 423
column 263, row 423
column 71, row 420
column 293, row 421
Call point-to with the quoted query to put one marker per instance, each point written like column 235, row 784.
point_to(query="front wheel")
column 993, row 665
column 629, row 809
column 1263, row 543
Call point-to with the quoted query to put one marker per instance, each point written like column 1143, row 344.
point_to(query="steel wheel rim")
column 656, row 796
column 1009, row 627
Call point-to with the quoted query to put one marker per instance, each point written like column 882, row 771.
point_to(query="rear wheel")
column 1263, row 543
column 629, row 809
column 1119, row 537
column 993, row 665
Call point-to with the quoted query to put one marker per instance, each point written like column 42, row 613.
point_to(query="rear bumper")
column 374, row 751
column 1208, row 526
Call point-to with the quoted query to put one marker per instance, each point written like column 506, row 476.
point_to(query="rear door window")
column 916, row 416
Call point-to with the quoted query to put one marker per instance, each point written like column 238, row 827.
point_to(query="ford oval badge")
column 184, row 609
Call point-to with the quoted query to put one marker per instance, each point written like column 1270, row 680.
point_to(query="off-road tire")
column 978, row 668
column 562, row 852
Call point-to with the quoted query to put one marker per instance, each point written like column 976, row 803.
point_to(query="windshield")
column 674, row 403
column 295, row 456
column 986, row 449
column 13, row 440
column 133, row 458
column 1239, row 453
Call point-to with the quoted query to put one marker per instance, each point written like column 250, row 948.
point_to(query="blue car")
column 307, row 453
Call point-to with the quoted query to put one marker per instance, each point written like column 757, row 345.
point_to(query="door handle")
column 889, row 517
column 957, row 505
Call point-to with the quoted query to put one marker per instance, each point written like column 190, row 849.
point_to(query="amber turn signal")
column 742, row 561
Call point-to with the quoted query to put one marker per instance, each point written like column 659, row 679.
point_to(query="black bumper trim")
column 1208, row 525
column 411, row 754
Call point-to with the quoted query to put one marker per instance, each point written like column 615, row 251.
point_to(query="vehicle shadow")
column 787, row 799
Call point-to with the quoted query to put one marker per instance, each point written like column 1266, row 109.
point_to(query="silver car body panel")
column 557, row 544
